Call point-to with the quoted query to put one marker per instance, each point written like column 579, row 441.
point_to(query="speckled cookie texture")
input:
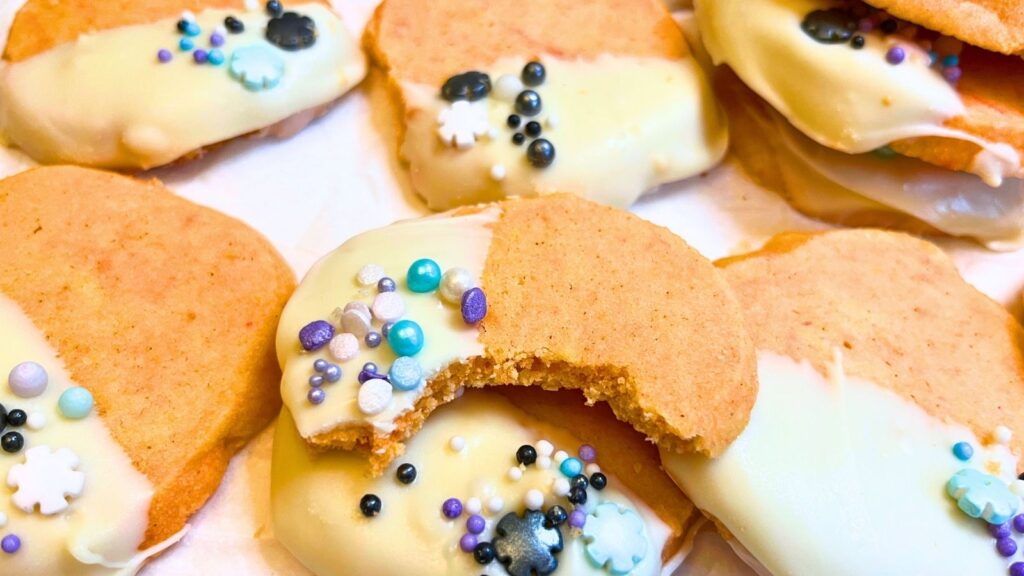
column 163, row 309
column 899, row 312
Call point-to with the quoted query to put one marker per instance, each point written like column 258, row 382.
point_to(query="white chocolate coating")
column 101, row 530
column 620, row 127
column 835, row 475
column 315, row 497
column 105, row 101
column 850, row 100
column 452, row 241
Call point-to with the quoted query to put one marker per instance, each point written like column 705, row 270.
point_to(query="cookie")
column 994, row 25
column 857, row 80
column 138, row 350
column 889, row 391
column 474, row 490
column 134, row 85
column 603, row 100
column 546, row 292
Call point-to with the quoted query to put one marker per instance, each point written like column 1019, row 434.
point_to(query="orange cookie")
column 546, row 292
column 889, row 390
column 158, row 311
column 134, row 85
column 506, row 98
column 874, row 92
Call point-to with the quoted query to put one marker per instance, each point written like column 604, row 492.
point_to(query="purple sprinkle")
column 164, row 55
column 316, row 395
column 216, row 39
column 386, row 284
column 1006, row 547
column 365, row 376
column 452, row 508
column 474, row 305
column 895, row 55
column 587, row 453
column 316, row 380
column 999, row 530
column 10, row 543
column 1018, row 523
column 373, row 339
column 952, row 74
column 866, row 25
column 467, row 542
column 316, row 334
column 475, row 524
column 577, row 519
column 370, row 367
column 200, row 56
column 386, row 328
column 1017, row 569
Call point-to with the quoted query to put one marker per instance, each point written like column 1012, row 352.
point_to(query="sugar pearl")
column 344, row 347
column 454, row 284
column 474, row 506
column 545, row 448
column 374, row 396
column 457, row 443
column 36, row 421
column 75, row 403
column 388, row 306
column 515, row 473
column 534, row 500
column 27, row 380
column 587, row 453
column 543, row 462
column 507, row 87
column 498, row 172
column 592, row 468
column 1003, row 434
column 495, row 504
column 560, row 456
column 561, row 487
column 369, row 275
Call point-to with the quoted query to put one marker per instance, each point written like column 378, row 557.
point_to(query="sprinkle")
column 474, row 506
column 963, row 451
column 406, row 338
column 560, row 456
column 540, row 153
column 475, row 524
column 470, row 86
column 592, row 469
column 215, row 57
column 577, row 519
column 424, row 276
column 234, row 25
column 571, row 467
column 952, row 74
column 188, row 16
column 561, row 487
column 507, row 87
column 186, row 44
column 895, row 55
column 999, row 530
column 373, row 339
column 36, row 421
column 950, row 60
column 1006, row 547
column 857, row 42
column 534, row 499
column 405, row 373
column 356, row 319
column 495, row 504
column 533, row 74
column 1017, row 569
column 316, row 380
column 498, row 172
column 28, row 380
column 374, row 396
column 982, row 496
column 344, row 347
column 1003, row 435
column 526, row 455
column 468, row 543
column 515, row 473
column 316, row 396
column 474, row 306
column 216, row 39
column 192, row 29
column 315, row 335
column 455, row 283
column 12, row 442
column 552, row 121
column 406, row 473
column 587, row 453
column 543, row 462
column 385, row 328
column 75, row 403
column 370, row 505
column 164, row 55
column 461, row 123
column 332, row 373
column 10, row 543
column 528, row 103
column 386, row 284
column 452, row 508
column 545, row 448
column 457, row 443
column 257, row 67
column 388, row 306
column 1018, row 523
column 370, row 274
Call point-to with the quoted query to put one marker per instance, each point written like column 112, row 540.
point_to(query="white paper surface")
column 341, row 176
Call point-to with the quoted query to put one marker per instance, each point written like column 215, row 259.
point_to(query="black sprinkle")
column 234, row 25
column 291, row 31
column 832, row 26
column 470, row 86
column 857, row 42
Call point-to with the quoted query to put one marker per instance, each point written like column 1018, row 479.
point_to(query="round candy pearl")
column 10, row 543
column 216, row 39
column 406, row 338
column 386, row 284
column 316, row 380
column 27, row 380
column 895, row 55
column 545, row 448
column 3, row 519
column 1003, row 435
column 385, row 328
column 999, row 530
column 344, row 347
column 544, row 462
column 526, row 455
column 560, row 456
column 320, row 365
column 475, row 524
column 215, row 57
column 164, row 55
column 952, row 74
column 528, row 103
column 16, row 417
column 332, row 373
column 495, row 504
column 424, row 275
column 474, row 506
column 515, row 473
column 577, row 519
column 36, row 421
column 457, row 443
column 474, row 306
column 374, row 396
column 571, row 467
column 1006, row 547
column 12, row 442
column 373, row 339
column 200, row 56
column 587, row 453
column 234, row 25
column 507, row 87
column 963, row 451
column 533, row 74
column 315, row 335
column 468, row 543
column 370, row 505
column 561, row 487
column 192, row 29
column 484, row 553
column 1018, row 523
column 579, row 481
column 1017, row 569
column 186, row 44
column 316, row 396
column 75, row 403
column 406, row 473
column 388, row 307
column 556, row 515
column 405, row 373
column 452, row 508
column 454, row 284
column 598, row 481
column 540, row 153
column 534, row 500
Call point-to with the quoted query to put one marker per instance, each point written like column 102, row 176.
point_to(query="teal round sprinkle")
column 193, row 29
column 571, row 467
column 75, row 403
column 406, row 338
column 963, row 451
column 215, row 57
column 405, row 373
column 424, row 275
column 186, row 44
column 950, row 61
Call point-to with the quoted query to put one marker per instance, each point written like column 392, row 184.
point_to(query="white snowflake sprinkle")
column 462, row 123
column 46, row 479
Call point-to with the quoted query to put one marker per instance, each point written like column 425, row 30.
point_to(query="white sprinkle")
column 495, row 504
column 561, row 487
column 188, row 16
column 592, row 469
column 507, row 87
column 1003, row 434
column 355, row 322
column 370, row 274
column 221, row 30
column 498, row 172
column 560, row 456
column 252, row 4
column 492, row 133
column 461, row 123
column 515, row 474
column 545, row 448
column 552, row 120
column 457, row 443
column 3, row 519
column 454, row 284
column 388, row 306
column 357, row 306
column 544, row 462
column 36, row 421
column 374, row 396
column 344, row 347
column 534, row 499
column 474, row 506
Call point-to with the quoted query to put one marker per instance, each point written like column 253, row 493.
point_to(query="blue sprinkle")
column 950, row 61
column 933, row 55
column 405, row 373
column 320, row 365
column 75, row 403
column 215, row 57
column 186, row 44
column 316, row 380
column 424, row 275
column 963, row 451
column 571, row 467
column 332, row 373
column 192, row 29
